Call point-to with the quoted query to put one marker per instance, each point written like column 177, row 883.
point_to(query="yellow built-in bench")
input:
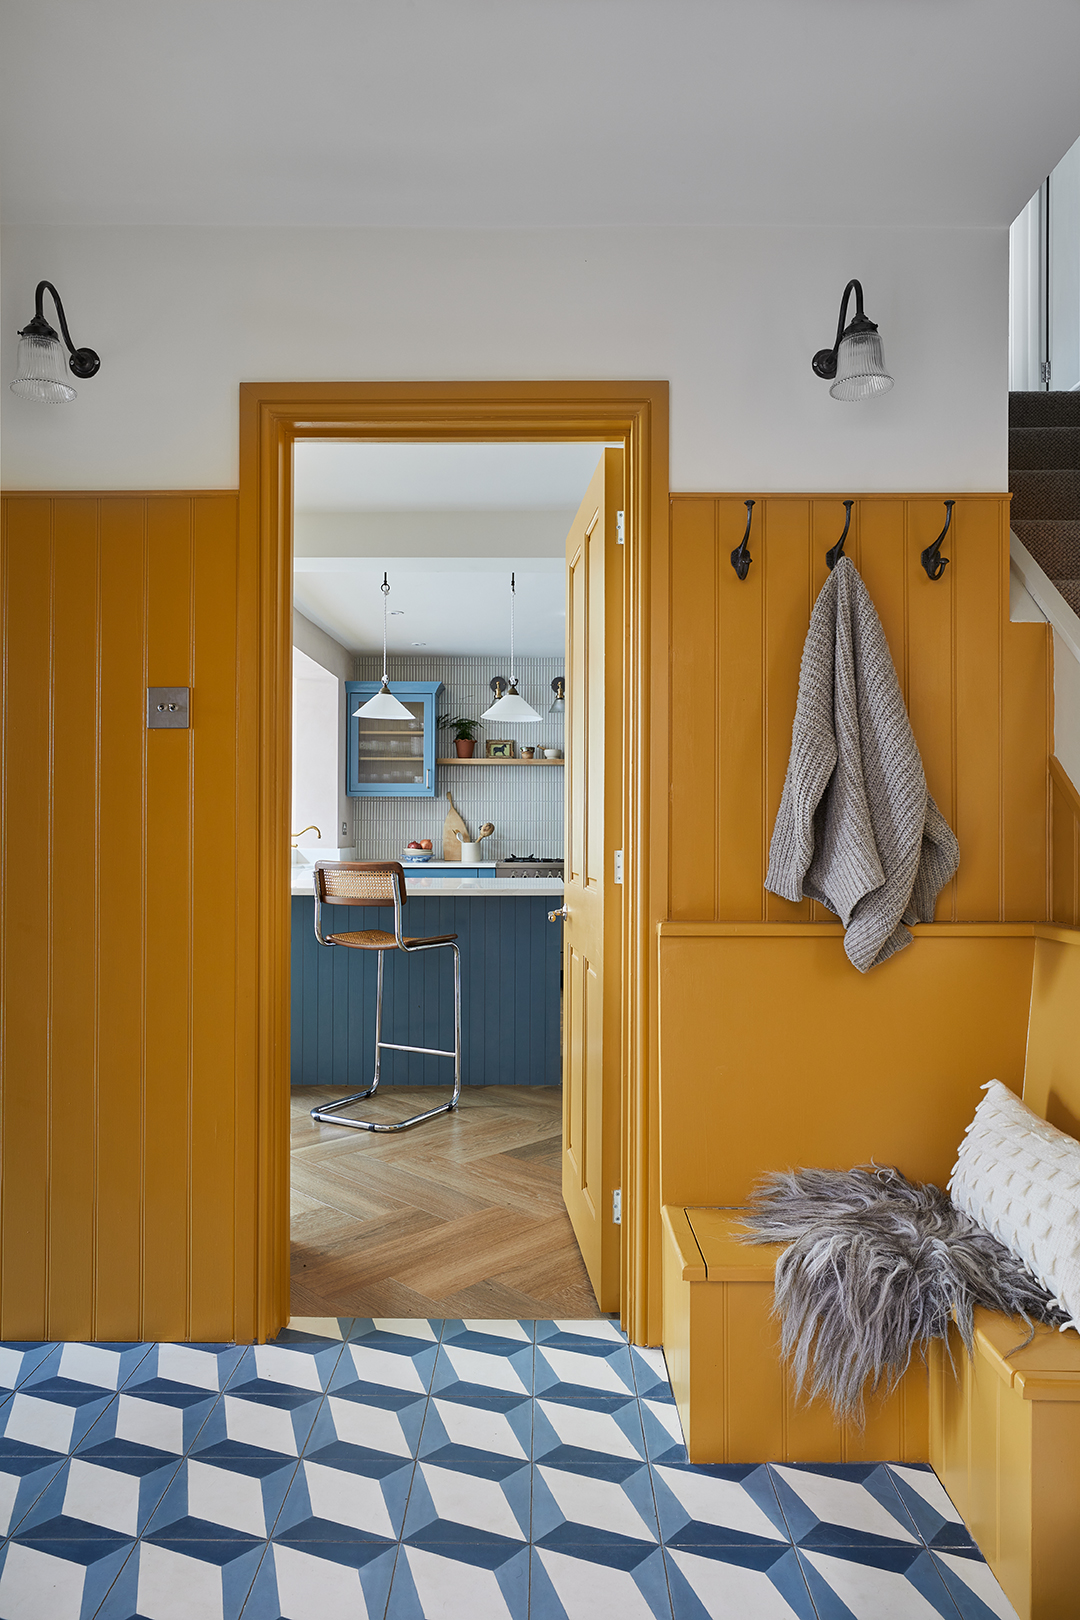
column 721, row 1344
column 1005, row 1442
column 809, row 1063
column 1002, row 1432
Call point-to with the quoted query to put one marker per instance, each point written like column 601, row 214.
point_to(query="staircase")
column 1044, row 476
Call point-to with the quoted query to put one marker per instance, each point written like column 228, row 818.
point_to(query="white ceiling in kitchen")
column 437, row 605
column 329, row 476
column 448, row 523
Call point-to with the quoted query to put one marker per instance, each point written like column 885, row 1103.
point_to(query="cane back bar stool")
column 380, row 883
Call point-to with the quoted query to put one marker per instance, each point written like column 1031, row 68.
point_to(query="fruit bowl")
column 414, row 855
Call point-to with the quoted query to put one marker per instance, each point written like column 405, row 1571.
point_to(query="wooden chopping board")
column 451, row 849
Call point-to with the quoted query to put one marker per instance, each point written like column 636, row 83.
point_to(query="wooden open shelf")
column 455, row 761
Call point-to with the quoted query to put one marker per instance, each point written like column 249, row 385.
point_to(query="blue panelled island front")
column 511, row 960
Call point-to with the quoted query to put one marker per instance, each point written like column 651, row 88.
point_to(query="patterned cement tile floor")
column 434, row 1470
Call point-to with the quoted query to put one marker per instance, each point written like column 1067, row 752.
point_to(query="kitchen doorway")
column 464, row 1215
column 274, row 417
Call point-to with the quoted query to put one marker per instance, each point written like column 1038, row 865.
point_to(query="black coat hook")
column 834, row 553
column 740, row 557
column 931, row 559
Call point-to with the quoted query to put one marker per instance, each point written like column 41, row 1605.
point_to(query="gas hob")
column 529, row 866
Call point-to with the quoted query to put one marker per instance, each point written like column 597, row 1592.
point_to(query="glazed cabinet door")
column 391, row 759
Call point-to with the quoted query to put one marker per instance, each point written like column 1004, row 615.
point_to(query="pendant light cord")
column 385, row 588
column 513, row 666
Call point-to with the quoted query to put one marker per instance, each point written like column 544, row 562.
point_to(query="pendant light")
column 511, row 708
column 384, row 705
column 42, row 373
column 856, row 359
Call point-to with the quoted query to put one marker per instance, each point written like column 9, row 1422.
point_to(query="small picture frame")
column 498, row 748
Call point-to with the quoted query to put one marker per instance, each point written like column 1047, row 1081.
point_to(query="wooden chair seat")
column 377, row 939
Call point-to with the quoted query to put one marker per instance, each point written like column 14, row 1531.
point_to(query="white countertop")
column 456, row 882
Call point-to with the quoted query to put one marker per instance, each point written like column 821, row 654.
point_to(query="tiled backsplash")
column 525, row 803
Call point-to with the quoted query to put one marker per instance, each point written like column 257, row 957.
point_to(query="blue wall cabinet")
column 391, row 759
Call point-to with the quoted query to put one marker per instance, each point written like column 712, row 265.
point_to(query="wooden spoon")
column 486, row 830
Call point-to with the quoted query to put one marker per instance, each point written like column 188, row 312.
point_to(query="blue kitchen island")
column 511, row 965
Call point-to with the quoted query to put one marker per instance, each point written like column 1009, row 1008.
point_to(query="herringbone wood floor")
column 462, row 1216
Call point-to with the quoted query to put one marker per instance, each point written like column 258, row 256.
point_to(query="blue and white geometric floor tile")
column 413, row 1470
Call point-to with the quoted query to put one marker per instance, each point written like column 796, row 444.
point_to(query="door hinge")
column 620, row 528
column 1044, row 372
column 618, row 866
column 616, row 1206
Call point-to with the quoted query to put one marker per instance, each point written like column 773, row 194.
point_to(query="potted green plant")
column 464, row 733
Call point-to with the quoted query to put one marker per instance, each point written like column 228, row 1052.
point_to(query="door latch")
column 616, row 1206
column 558, row 916
column 620, row 528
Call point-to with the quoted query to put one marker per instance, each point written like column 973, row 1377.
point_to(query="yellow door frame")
column 272, row 417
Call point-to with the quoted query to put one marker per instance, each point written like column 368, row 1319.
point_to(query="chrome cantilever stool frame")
column 371, row 883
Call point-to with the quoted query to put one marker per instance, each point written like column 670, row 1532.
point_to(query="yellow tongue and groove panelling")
column 978, row 690
column 128, row 936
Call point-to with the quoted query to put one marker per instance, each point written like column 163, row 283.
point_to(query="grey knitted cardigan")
column 857, row 828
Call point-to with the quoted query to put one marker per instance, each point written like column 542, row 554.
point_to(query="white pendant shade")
column 383, row 706
column 511, row 708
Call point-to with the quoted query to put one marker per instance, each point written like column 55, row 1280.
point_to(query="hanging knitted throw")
column 857, row 829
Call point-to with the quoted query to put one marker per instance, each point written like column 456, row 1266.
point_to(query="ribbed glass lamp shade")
column 558, row 707
column 383, row 706
column 42, row 371
column 860, row 367
column 511, row 708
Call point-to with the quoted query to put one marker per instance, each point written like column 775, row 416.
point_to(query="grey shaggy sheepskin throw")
column 876, row 1266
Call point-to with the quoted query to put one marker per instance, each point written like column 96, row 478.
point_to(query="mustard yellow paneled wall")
column 129, row 923
column 978, row 690
column 774, row 1051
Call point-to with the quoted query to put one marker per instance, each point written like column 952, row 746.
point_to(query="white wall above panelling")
column 730, row 316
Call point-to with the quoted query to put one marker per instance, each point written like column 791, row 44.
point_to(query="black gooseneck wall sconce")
column 42, row 370
column 856, row 360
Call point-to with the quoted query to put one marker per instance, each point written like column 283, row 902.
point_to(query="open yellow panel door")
column 592, row 928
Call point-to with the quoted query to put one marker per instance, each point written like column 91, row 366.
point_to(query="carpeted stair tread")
column 1042, row 493
column 1054, row 546
column 1070, row 590
column 1044, row 410
column 1044, row 447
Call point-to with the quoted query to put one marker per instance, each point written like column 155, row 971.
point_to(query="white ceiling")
column 481, row 113
column 334, row 477
column 444, row 598
column 449, row 606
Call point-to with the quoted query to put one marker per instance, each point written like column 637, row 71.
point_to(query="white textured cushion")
column 1020, row 1178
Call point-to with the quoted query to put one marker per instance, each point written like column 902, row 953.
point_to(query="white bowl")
column 412, row 855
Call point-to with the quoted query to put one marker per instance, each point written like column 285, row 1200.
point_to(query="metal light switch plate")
column 168, row 708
